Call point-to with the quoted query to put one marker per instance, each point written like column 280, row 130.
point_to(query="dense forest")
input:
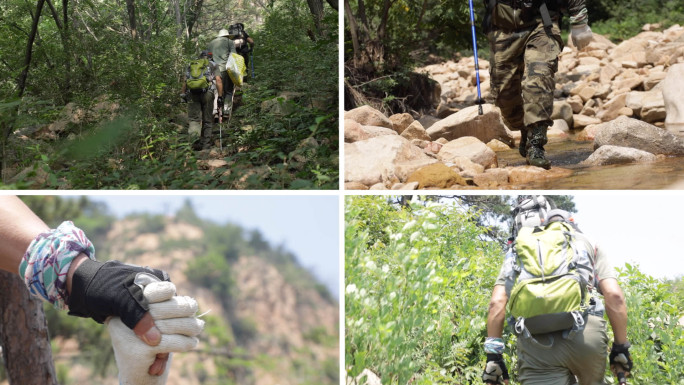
column 269, row 320
column 419, row 276
column 89, row 95
column 385, row 40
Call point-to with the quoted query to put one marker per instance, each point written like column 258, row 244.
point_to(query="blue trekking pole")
column 477, row 67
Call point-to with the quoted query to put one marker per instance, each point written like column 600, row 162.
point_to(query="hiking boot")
column 536, row 139
column 522, row 148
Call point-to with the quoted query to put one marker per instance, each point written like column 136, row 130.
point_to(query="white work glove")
column 581, row 35
column 173, row 316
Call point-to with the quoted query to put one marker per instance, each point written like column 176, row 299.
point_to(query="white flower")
column 351, row 288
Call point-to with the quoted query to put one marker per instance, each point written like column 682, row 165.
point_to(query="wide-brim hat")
column 223, row 32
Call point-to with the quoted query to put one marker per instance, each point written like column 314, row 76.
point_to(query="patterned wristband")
column 494, row 345
column 48, row 258
column 582, row 17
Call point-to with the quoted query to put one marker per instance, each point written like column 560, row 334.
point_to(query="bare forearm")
column 18, row 227
column 497, row 312
column 616, row 309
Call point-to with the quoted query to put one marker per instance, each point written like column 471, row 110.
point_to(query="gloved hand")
column 495, row 371
column 174, row 316
column 581, row 35
column 219, row 102
column 184, row 97
column 100, row 290
column 620, row 360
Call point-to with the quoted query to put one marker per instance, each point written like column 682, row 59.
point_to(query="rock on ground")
column 629, row 132
column 383, row 159
column 673, row 95
column 368, row 116
column 471, row 148
column 608, row 154
column 467, row 122
column 436, row 175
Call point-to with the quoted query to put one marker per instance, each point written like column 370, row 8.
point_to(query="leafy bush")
column 418, row 284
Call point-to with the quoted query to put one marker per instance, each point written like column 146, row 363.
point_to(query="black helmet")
column 204, row 54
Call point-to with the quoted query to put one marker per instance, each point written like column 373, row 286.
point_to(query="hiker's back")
column 221, row 48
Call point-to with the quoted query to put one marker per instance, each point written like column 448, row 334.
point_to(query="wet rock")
column 401, row 121
column 527, row 174
column 673, row 97
column 383, row 159
column 356, row 186
column 588, row 133
column 492, row 178
column 368, row 116
column 415, row 131
column 436, row 175
column 605, row 155
column 353, row 131
column 471, row 148
column 629, row 132
column 467, row 122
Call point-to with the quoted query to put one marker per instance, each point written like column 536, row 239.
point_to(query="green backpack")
column 548, row 272
column 198, row 75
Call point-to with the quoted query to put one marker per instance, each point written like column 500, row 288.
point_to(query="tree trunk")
column 193, row 15
column 130, row 8
column 21, row 82
column 333, row 4
column 24, row 335
column 62, row 26
column 316, row 8
column 353, row 30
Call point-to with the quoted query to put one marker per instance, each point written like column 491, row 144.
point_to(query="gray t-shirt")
column 602, row 266
column 221, row 48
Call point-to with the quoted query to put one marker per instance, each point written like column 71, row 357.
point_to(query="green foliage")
column 146, row 146
column 405, row 292
column 418, row 283
column 621, row 19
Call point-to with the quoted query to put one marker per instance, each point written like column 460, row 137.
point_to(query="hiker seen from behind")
column 221, row 48
column 525, row 41
column 550, row 286
column 202, row 81
column 244, row 44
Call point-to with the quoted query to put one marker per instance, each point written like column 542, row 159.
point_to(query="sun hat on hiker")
column 558, row 215
column 223, row 32
column 531, row 211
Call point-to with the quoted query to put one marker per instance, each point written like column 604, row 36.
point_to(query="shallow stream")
column 568, row 154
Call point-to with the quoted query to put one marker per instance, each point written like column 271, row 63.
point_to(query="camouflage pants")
column 522, row 70
column 200, row 116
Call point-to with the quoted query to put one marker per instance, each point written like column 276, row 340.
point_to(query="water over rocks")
column 628, row 99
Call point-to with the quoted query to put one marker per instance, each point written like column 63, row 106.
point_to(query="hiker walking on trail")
column 221, row 48
column 549, row 282
column 202, row 81
column 525, row 42
column 244, row 44
column 138, row 304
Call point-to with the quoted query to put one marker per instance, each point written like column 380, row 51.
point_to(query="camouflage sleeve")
column 578, row 12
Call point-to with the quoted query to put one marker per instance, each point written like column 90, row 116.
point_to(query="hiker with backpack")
column 221, row 48
column 202, row 81
column 549, row 283
column 244, row 44
column 145, row 318
column 525, row 41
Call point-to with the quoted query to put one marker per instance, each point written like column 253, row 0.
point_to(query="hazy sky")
column 307, row 225
column 638, row 228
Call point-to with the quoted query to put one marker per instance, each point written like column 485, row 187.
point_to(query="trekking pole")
column 622, row 380
column 251, row 61
column 477, row 67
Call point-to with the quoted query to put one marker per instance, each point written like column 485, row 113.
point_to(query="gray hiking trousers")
column 557, row 361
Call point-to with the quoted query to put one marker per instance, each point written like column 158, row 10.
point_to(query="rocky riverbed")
column 616, row 107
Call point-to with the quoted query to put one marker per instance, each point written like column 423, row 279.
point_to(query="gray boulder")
column 628, row 132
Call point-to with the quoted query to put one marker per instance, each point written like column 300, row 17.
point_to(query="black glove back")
column 495, row 371
column 100, row 290
column 619, row 356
